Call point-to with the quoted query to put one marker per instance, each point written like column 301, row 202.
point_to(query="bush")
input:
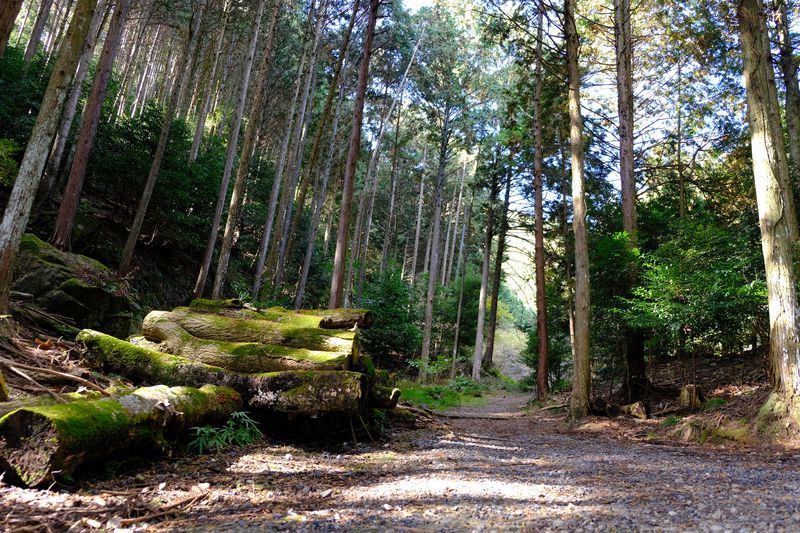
column 394, row 336
column 238, row 431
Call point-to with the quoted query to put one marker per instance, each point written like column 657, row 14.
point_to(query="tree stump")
column 691, row 397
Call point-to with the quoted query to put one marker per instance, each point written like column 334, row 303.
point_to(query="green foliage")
column 240, row 430
column 440, row 396
column 394, row 335
column 713, row 403
column 8, row 164
column 671, row 420
column 701, row 289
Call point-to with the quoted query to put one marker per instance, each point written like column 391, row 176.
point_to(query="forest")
column 400, row 265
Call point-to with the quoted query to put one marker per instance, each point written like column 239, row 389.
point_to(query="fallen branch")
column 165, row 510
column 554, row 407
column 88, row 384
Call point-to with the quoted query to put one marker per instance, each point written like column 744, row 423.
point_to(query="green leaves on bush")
column 238, row 431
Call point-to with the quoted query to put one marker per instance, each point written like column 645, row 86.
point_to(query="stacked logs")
column 206, row 361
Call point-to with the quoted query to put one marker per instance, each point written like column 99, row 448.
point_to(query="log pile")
column 305, row 363
column 196, row 365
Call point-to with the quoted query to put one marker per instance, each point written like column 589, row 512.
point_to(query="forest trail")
column 518, row 472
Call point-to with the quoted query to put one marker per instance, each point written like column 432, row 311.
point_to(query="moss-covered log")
column 166, row 329
column 346, row 319
column 302, row 391
column 37, row 443
column 309, row 392
column 280, row 328
column 325, row 319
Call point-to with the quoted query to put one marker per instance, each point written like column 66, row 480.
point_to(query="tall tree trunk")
column 488, row 356
column 158, row 157
column 387, row 232
column 18, row 208
column 343, row 233
column 38, row 29
column 277, row 184
column 316, row 144
column 582, row 372
column 247, row 151
column 14, row 4
column 419, row 217
column 54, row 39
column 477, row 356
column 457, row 215
column 285, row 221
column 635, row 372
column 433, row 278
column 457, row 337
column 771, row 173
column 542, row 388
column 202, row 114
column 233, row 143
column 91, row 117
column 788, row 64
column 70, row 108
column 319, row 199
column 9, row 9
column 679, row 144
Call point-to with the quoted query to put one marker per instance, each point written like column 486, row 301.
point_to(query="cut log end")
column 28, row 445
column 347, row 319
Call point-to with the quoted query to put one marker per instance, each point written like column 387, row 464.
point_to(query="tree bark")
column 277, row 184
column 8, row 14
column 635, row 372
column 542, row 387
column 319, row 200
column 18, row 208
column 581, row 379
column 773, row 193
column 488, row 356
column 39, row 443
column 433, row 278
column 158, row 157
column 202, row 114
column 233, row 144
column 38, row 29
column 457, row 337
column 419, row 217
column 788, row 65
column 343, row 233
column 65, row 221
column 477, row 357
column 57, row 152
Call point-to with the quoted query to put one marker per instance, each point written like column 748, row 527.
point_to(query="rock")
column 73, row 286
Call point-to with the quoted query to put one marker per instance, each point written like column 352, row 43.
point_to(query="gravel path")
column 514, row 473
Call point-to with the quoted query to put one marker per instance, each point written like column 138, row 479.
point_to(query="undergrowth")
column 238, row 431
column 457, row 392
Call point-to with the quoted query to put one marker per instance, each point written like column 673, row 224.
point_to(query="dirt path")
column 517, row 472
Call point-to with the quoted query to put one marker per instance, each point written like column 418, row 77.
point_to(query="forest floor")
column 498, row 466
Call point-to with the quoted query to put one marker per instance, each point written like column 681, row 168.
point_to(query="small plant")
column 467, row 386
column 670, row 421
column 713, row 403
column 238, row 431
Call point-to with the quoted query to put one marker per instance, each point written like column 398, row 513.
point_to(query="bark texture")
column 581, row 379
column 773, row 195
column 18, row 209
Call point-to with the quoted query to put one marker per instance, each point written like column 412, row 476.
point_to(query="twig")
column 554, row 407
column 163, row 510
column 36, row 383
column 82, row 381
column 366, row 429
